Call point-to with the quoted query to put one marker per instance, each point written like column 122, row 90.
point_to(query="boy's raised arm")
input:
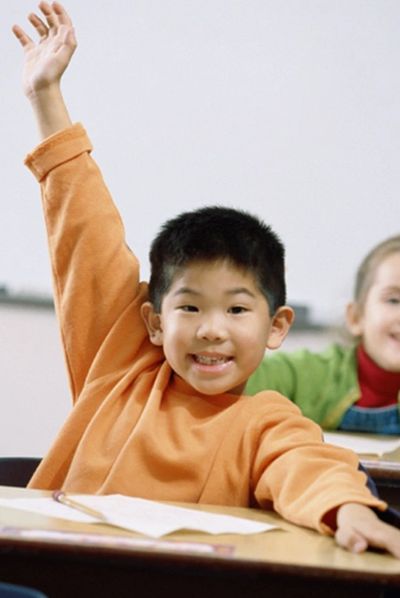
column 45, row 62
column 95, row 275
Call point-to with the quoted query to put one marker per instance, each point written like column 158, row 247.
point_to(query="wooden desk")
column 288, row 562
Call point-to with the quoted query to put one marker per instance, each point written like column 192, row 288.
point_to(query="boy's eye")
column 188, row 308
column 237, row 309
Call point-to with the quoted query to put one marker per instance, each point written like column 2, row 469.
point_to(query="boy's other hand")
column 358, row 528
column 47, row 59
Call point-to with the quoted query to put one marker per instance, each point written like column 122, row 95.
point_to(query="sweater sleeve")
column 303, row 477
column 95, row 275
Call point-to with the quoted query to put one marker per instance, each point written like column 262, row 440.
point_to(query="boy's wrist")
column 50, row 110
column 44, row 94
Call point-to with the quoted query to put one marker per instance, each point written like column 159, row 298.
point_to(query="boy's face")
column 215, row 325
column 377, row 322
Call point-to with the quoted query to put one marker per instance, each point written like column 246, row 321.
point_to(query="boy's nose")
column 212, row 329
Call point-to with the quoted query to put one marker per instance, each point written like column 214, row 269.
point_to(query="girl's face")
column 377, row 322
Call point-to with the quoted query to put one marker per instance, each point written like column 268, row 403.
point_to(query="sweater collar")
column 376, row 379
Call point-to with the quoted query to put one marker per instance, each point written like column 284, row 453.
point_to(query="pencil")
column 61, row 497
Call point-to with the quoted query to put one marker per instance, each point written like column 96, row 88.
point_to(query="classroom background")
column 287, row 108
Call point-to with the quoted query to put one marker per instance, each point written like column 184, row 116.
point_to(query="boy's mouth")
column 211, row 359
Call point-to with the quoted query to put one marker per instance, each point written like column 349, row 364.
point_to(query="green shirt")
column 324, row 385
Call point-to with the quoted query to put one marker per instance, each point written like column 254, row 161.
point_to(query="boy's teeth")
column 210, row 360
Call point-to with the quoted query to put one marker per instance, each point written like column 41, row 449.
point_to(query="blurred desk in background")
column 386, row 475
column 380, row 455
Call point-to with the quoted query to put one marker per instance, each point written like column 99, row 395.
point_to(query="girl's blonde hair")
column 367, row 269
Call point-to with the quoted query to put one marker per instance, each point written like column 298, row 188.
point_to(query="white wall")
column 34, row 388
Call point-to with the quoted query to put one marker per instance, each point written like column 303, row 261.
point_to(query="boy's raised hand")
column 358, row 528
column 45, row 62
column 47, row 59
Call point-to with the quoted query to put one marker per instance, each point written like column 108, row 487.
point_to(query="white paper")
column 362, row 445
column 143, row 516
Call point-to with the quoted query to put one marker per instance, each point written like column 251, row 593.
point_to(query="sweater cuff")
column 57, row 149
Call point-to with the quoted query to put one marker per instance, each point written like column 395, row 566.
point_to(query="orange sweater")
column 135, row 427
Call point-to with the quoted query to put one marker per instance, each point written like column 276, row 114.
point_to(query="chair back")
column 17, row 471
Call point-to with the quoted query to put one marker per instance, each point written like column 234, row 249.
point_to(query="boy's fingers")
column 375, row 535
column 351, row 540
column 62, row 14
column 49, row 14
column 38, row 24
column 387, row 538
column 22, row 37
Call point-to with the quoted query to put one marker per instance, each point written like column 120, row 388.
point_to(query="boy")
column 157, row 372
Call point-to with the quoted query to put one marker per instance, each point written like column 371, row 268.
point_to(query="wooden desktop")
column 286, row 562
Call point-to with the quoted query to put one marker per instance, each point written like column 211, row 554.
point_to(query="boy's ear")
column 282, row 320
column 354, row 319
column 152, row 319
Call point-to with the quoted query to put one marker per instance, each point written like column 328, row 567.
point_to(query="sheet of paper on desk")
column 362, row 444
column 143, row 516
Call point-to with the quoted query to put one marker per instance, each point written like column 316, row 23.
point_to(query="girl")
column 354, row 388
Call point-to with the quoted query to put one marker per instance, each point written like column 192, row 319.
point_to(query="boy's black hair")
column 218, row 233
